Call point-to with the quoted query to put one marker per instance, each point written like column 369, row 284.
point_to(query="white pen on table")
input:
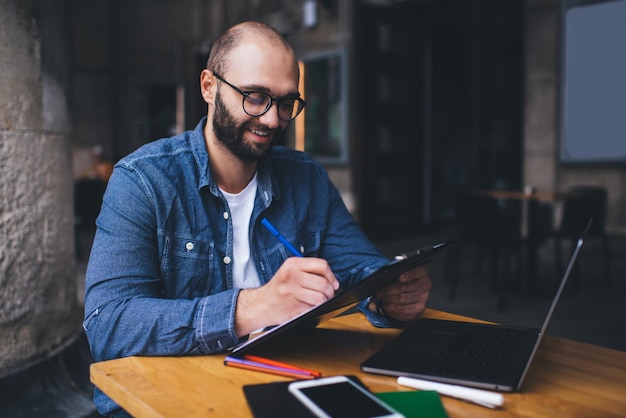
column 477, row 396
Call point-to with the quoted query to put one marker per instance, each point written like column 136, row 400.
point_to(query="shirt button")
column 189, row 246
column 225, row 215
column 226, row 260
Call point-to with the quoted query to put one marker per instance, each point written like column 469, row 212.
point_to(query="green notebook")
column 415, row 404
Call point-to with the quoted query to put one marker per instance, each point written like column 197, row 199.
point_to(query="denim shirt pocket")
column 309, row 244
column 187, row 266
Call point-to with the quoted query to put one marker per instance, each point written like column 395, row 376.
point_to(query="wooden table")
column 537, row 215
column 526, row 199
column 567, row 378
column 518, row 195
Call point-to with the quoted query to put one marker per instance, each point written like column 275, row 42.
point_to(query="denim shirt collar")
column 268, row 187
column 201, row 155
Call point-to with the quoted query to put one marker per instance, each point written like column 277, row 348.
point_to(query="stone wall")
column 39, row 311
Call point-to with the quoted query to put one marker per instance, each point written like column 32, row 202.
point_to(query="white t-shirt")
column 241, row 205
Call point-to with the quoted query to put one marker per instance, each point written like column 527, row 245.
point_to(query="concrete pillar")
column 39, row 309
column 541, row 84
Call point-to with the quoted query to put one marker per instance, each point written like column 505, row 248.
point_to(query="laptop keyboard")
column 483, row 351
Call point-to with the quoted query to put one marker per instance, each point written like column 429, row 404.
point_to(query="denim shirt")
column 159, row 278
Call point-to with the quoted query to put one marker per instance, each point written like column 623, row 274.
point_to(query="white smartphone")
column 340, row 397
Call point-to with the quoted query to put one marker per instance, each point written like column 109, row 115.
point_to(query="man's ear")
column 207, row 86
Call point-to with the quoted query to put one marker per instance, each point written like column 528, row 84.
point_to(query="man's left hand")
column 405, row 298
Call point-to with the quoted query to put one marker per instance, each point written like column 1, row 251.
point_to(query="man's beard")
column 229, row 133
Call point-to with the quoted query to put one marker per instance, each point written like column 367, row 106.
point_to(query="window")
column 323, row 131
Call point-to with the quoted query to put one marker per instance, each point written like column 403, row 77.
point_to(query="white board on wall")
column 593, row 82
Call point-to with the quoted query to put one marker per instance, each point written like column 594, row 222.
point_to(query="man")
column 181, row 263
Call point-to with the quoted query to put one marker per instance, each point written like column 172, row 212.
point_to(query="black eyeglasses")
column 257, row 103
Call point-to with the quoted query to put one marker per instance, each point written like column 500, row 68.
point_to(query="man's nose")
column 270, row 118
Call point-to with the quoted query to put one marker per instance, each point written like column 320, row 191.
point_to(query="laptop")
column 486, row 356
column 343, row 300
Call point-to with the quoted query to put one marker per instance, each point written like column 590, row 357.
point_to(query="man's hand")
column 405, row 298
column 298, row 285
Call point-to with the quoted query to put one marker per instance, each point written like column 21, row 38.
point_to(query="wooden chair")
column 580, row 204
column 492, row 226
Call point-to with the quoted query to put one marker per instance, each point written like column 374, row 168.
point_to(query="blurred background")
column 497, row 124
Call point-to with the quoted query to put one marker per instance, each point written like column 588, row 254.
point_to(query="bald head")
column 219, row 58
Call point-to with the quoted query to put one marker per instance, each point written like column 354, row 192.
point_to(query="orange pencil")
column 270, row 362
column 283, row 373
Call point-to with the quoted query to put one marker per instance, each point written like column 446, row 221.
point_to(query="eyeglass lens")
column 257, row 103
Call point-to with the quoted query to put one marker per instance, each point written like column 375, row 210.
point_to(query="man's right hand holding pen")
column 301, row 283
column 298, row 285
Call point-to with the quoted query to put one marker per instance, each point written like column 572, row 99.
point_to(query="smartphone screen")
column 345, row 400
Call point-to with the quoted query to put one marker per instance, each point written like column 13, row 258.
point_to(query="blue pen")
column 293, row 250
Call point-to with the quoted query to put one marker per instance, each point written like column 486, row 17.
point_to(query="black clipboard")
column 343, row 300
